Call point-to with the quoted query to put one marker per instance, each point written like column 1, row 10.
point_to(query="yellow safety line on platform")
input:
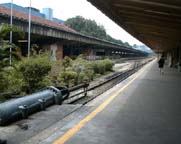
column 77, row 127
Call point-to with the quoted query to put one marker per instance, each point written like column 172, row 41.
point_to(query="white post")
column 11, row 33
column 29, row 31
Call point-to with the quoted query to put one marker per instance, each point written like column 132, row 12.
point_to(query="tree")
column 5, row 46
column 134, row 46
column 87, row 27
column 127, row 45
column 91, row 28
column 5, row 53
column 5, row 29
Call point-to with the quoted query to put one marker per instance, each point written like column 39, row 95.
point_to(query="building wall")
column 55, row 51
column 59, row 51
column 48, row 12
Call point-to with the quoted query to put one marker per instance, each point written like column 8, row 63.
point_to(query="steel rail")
column 115, row 79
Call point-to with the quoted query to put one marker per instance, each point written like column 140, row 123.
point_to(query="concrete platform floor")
column 147, row 111
column 143, row 109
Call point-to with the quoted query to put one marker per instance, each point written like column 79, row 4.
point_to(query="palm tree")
column 5, row 46
column 5, row 52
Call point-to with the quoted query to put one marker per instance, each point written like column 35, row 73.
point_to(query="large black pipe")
column 22, row 107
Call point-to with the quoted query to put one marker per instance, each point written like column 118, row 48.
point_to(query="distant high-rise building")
column 48, row 12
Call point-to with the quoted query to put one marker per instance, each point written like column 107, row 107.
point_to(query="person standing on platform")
column 161, row 63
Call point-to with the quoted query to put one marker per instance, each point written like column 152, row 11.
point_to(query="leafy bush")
column 95, row 67
column 84, row 70
column 108, row 64
column 34, row 71
column 68, row 77
column 66, row 62
column 102, row 66
column 11, row 83
column 14, row 80
column 89, row 73
column 3, row 82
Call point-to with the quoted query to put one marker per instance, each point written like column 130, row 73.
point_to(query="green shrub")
column 98, row 67
column 68, row 77
column 3, row 82
column 11, row 83
column 81, row 77
column 102, row 66
column 108, row 64
column 89, row 72
column 95, row 67
column 15, row 80
column 84, row 70
column 34, row 71
column 66, row 62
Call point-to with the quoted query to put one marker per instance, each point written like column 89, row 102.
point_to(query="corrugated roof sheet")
column 35, row 19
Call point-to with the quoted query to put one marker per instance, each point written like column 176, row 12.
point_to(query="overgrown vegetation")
column 7, row 70
column 34, row 71
column 73, row 72
column 27, row 75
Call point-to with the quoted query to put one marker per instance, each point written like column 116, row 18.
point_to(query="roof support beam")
column 159, row 3
column 154, row 22
column 149, row 13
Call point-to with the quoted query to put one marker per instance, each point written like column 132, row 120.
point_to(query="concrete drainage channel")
column 22, row 108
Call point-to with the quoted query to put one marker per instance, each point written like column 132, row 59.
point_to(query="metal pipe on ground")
column 20, row 108
column 3, row 141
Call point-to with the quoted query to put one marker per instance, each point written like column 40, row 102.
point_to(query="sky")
column 64, row 9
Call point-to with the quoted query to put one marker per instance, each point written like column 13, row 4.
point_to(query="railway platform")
column 143, row 109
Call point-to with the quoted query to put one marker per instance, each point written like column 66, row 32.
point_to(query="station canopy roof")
column 157, row 23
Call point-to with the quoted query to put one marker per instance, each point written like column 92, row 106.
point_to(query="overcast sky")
column 64, row 9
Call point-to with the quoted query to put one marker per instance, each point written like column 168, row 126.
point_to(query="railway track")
column 85, row 93
column 81, row 94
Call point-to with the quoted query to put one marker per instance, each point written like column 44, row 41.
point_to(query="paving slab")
column 23, row 130
column 146, row 112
